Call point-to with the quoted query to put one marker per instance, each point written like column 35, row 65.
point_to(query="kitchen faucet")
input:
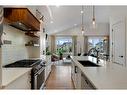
column 94, row 50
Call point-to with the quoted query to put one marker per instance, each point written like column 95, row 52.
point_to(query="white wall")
column 101, row 29
column 118, row 11
column 17, row 50
column 80, row 44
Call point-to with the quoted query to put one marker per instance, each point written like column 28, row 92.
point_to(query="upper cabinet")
column 22, row 19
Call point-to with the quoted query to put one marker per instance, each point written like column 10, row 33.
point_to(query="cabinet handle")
column 75, row 69
column 121, row 56
column 86, row 81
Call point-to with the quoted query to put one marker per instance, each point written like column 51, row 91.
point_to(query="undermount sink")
column 88, row 64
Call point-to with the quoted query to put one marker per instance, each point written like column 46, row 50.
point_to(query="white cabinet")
column 22, row 82
column 73, row 73
column 79, row 79
column 76, row 75
column 48, row 67
column 118, row 40
column 85, row 83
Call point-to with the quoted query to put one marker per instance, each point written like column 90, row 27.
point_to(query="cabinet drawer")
column 85, row 83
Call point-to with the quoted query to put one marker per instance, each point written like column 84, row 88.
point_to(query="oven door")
column 39, row 79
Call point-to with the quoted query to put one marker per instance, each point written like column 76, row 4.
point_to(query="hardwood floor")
column 60, row 78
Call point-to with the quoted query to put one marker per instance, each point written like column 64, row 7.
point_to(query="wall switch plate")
column 7, row 42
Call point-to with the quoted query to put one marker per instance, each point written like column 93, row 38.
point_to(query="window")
column 100, row 43
column 63, row 44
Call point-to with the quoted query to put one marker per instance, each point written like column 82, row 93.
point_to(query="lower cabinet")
column 79, row 79
column 76, row 76
column 22, row 82
column 85, row 83
column 73, row 73
column 47, row 70
column 48, row 67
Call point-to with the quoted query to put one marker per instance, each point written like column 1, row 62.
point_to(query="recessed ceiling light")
column 20, row 23
column 82, row 12
column 55, row 31
column 51, row 21
column 75, row 24
column 57, row 6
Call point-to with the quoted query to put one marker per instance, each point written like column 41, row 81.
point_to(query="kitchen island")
column 16, row 78
column 107, row 76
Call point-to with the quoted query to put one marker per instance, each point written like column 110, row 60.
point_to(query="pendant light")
column 93, row 19
column 82, row 18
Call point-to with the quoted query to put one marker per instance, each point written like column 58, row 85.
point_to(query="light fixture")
column 82, row 19
column 82, row 12
column 55, row 31
column 93, row 19
column 57, row 6
column 20, row 23
column 51, row 21
column 75, row 24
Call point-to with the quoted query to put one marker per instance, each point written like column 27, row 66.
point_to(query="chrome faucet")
column 95, row 50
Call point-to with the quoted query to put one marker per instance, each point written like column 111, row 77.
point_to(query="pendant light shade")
column 83, row 31
column 93, row 19
column 82, row 18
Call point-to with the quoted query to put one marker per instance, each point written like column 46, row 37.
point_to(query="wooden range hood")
column 22, row 19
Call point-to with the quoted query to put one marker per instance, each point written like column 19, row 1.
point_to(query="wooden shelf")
column 31, row 34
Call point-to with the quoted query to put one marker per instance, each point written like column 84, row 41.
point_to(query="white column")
column 74, row 44
column 42, row 42
column 85, row 44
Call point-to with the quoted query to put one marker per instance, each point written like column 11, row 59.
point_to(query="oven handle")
column 39, row 72
column 35, row 82
column 35, row 77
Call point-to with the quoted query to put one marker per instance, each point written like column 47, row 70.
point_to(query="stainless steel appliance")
column 37, row 72
column 38, row 77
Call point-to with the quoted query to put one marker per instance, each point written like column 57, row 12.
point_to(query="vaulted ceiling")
column 65, row 17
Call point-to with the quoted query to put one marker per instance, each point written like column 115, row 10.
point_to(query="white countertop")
column 11, row 74
column 108, row 76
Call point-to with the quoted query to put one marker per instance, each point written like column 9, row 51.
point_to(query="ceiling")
column 65, row 17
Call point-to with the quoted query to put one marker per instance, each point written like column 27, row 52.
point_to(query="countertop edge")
column 109, row 69
column 7, row 83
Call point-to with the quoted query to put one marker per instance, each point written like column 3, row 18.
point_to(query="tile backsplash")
column 17, row 49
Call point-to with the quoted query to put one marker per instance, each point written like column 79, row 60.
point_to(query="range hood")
column 22, row 19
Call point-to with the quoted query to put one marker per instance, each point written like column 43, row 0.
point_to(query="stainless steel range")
column 37, row 72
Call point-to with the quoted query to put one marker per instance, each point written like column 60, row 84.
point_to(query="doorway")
column 118, row 42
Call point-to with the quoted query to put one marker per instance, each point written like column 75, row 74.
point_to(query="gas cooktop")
column 24, row 63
